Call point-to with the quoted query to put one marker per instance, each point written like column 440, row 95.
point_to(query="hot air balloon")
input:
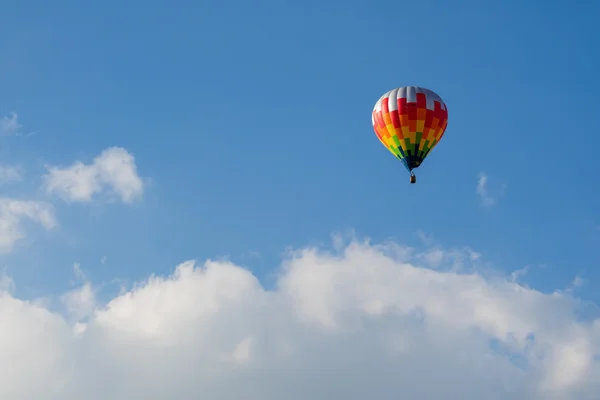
column 410, row 121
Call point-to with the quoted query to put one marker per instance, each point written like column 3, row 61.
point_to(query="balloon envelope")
column 410, row 121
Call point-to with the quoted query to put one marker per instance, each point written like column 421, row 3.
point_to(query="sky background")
column 146, row 134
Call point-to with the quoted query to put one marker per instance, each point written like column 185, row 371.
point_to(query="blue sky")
column 250, row 126
column 253, row 122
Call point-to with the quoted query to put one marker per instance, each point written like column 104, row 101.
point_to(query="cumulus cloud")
column 12, row 215
column 113, row 171
column 358, row 322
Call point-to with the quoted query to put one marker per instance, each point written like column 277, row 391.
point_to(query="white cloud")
column 80, row 302
column 516, row 275
column 361, row 322
column 425, row 237
column 482, row 191
column 10, row 173
column 242, row 354
column 7, row 285
column 114, row 170
column 577, row 282
column 434, row 257
column 9, row 125
column 78, row 272
column 12, row 215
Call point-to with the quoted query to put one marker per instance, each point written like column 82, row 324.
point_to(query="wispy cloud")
column 10, row 126
column 78, row 272
column 515, row 276
column 486, row 199
column 79, row 302
column 426, row 238
column 576, row 283
column 11, row 173
column 14, row 212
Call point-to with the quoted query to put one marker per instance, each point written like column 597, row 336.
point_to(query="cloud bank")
column 359, row 322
